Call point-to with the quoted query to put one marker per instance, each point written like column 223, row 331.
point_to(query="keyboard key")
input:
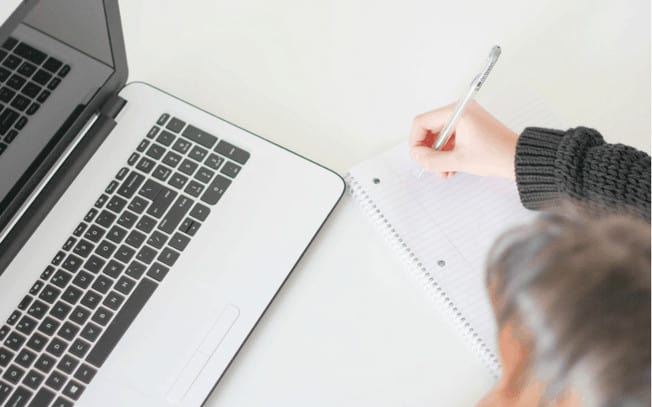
column 68, row 331
column 138, row 205
column 20, row 103
column 45, row 363
column 113, row 185
column 143, row 145
column 198, row 154
column 94, row 233
column 113, row 269
column 155, row 151
column 168, row 257
column 230, row 169
column 133, row 158
column 230, row 151
column 150, row 189
column 215, row 190
column 199, row 136
column 179, row 241
column 64, row 71
column 121, row 323
column 135, row 270
column 214, row 161
column 25, row 358
column 26, row 325
column 11, row 62
column 7, row 119
column 4, row 73
column 105, row 249
column 31, row 90
column 152, row 132
column 43, row 397
column 116, row 204
column 194, row 188
column 200, row 212
column 157, row 239
column 79, row 348
column 172, row 159
column 54, row 83
column 11, row 135
column 56, row 347
column 102, row 316
column 177, row 212
column 146, row 254
column 181, row 146
column 21, row 123
column 33, row 55
column 163, row 119
column 135, row 239
column 166, row 138
column 61, row 279
column 146, row 224
column 52, row 65
column 20, row 397
column 175, row 125
column 106, row 218
column 42, row 77
column 60, row 310
column 71, row 295
column 178, row 180
column 56, row 380
column 58, row 258
column 102, row 284
column 24, row 303
column 4, row 330
column 131, row 184
column 71, row 241
column 94, row 264
column 49, row 326
column 85, row 373
column 79, row 230
column 157, row 271
column 188, row 167
column 36, row 287
column 14, row 374
column 90, row 332
column 38, row 309
column 125, row 254
column 189, row 227
column 80, row 315
column 13, row 318
column 49, row 294
column 72, row 263
column 116, row 234
column 204, row 175
column 127, row 219
column 83, row 279
column 162, row 202
column 161, row 172
column 27, row 69
column 91, row 299
column 67, row 364
column 6, row 94
column 5, row 390
column 145, row 165
column 5, row 356
column 73, row 390
column 10, row 43
column 16, row 82
column 43, row 96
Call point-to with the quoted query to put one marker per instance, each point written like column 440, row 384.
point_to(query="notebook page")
column 447, row 228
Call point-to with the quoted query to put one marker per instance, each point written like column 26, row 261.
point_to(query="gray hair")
column 580, row 288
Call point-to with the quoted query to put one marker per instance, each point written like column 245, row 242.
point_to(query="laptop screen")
column 51, row 66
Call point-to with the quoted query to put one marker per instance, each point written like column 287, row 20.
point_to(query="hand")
column 480, row 145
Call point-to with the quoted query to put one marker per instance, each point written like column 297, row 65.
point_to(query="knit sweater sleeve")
column 577, row 164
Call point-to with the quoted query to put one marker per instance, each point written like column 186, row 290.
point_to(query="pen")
column 476, row 84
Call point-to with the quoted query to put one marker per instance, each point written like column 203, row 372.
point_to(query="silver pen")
column 476, row 84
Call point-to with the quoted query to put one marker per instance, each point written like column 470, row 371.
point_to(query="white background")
column 339, row 81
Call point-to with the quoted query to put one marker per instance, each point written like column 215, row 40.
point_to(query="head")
column 571, row 297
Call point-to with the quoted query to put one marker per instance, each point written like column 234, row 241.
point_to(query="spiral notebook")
column 443, row 229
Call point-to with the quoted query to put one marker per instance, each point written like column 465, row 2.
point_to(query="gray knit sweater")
column 577, row 164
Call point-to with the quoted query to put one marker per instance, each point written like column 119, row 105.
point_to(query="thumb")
column 435, row 161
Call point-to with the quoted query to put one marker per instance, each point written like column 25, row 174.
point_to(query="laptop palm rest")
column 211, row 342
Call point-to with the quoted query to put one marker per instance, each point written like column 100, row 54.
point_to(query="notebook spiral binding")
column 423, row 277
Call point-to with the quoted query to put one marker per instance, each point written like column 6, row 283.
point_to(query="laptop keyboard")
column 27, row 78
column 74, row 315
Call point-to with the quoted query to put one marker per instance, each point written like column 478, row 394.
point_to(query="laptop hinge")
column 113, row 106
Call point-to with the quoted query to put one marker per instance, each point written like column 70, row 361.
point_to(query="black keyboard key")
column 113, row 300
column 194, row 188
column 121, row 322
column 131, row 184
column 71, row 295
column 157, row 271
column 94, row 264
column 106, row 218
column 19, row 398
column 168, row 257
column 125, row 254
column 146, row 254
column 124, row 285
column 52, row 65
column 152, row 132
column 172, row 159
column 102, row 284
column 45, row 363
column 5, row 391
column 199, row 136
column 70, row 242
column 145, row 165
column 16, row 82
column 20, row 103
column 21, row 123
column 133, row 158
column 179, row 241
column 178, row 180
column 113, row 269
column 175, row 125
column 43, row 96
column 6, row 95
column 31, row 90
column 49, row 326
column 135, row 239
column 25, row 358
column 26, row 325
column 146, row 224
column 72, row 263
column 188, row 167
column 204, row 175
column 166, row 138
column 127, row 219
column 11, row 135
column 162, row 202
column 214, row 161
column 56, row 380
column 56, row 347
column 90, row 332
column 105, row 249
column 91, row 299
column 157, row 239
column 7, row 119
column 27, row 70
column 43, row 397
column 161, row 172
column 60, row 310
column 68, row 331
column 80, row 229
column 49, row 294
column 5, row 356
column 4, row 73
column 13, row 318
column 84, row 248
column 80, row 314
column 163, row 119
column 116, row 204
column 116, row 234
column 64, row 71
column 215, row 190
column 36, row 287
column 200, row 212
column 197, row 153
column 150, row 189
column 102, row 316
column 58, row 258
column 42, row 77
column 13, row 374
column 177, row 212
column 54, row 83
column 38, row 309
column 31, row 54
column 138, row 205
column 230, row 151
column 10, row 43
column 11, row 62
column 68, row 364
column 155, row 151
column 181, row 146
column 83, row 279
column 61, row 279
column 94, row 233
column 135, row 270
column 85, row 373
column 73, row 390
column 4, row 330
column 24, row 303
column 143, row 145
column 113, row 185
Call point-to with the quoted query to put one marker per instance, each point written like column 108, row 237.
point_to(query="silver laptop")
column 141, row 238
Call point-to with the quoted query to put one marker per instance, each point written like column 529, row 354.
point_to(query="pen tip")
column 495, row 51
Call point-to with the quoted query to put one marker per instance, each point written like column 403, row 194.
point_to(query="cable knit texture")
column 577, row 164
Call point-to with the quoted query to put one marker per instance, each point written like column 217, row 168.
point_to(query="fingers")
column 430, row 160
column 428, row 124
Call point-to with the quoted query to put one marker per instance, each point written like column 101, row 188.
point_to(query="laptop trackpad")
column 211, row 342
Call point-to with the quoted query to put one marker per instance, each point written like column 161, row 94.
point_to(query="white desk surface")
column 339, row 81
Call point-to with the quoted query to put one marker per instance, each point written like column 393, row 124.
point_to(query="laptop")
column 141, row 238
